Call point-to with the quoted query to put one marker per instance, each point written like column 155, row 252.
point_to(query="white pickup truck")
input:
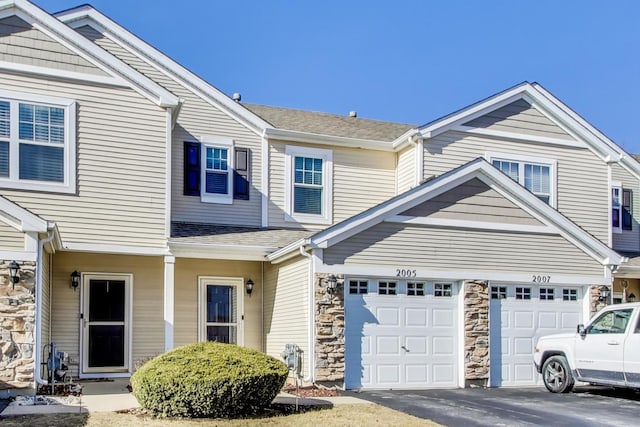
column 605, row 351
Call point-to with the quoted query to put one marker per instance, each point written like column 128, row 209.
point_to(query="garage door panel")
column 570, row 320
column 387, row 345
column 523, row 320
column 416, row 345
column 416, row 374
column 523, row 346
column 443, row 374
column 547, row 320
column 523, row 373
column 388, row 316
column 366, row 346
column 442, row 318
column 443, row 346
column 416, row 317
column 388, row 374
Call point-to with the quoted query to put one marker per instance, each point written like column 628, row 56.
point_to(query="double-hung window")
column 216, row 173
column 37, row 143
column 308, row 185
column 534, row 174
column 621, row 218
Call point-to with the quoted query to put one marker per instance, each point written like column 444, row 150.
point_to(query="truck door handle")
column 612, row 342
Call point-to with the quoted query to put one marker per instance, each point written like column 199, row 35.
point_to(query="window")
column 547, row 294
column 523, row 293
column 569, row 295
column 220, row 309
column 308, row 185
column 498, row 292
column 358, row 286
column 37, row 143
column 387, row 288
column 621, row 218
column 442, row 290
column 534, row 174
column 415, row 289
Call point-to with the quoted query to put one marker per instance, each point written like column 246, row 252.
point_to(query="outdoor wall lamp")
column 249, row 286
column 332, row 284
column 14, row 268
column 75, row 280
column 631, row 297
column 604, row 294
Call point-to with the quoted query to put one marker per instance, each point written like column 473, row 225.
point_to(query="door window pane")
column 220, row 304
column 223, row 334
column 106, row 301
column 106, row 345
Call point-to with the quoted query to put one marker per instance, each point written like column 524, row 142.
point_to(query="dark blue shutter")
column 191, row 168
column 4, row 158
column 627, row 219
column 241, row 174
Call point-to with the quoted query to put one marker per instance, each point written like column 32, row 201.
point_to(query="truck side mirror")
column 581, row 330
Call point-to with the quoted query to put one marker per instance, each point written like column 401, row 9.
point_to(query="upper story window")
column 37, row 143
column 621, row 218
column 535, row 174
column 308, row 185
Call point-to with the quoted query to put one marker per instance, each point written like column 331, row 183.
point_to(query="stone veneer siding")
column 595, row 303
column 329, row 324
column 17, row 327
column 476, row 333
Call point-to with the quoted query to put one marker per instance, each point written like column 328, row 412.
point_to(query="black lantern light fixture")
column 604, row 294
column 75, row 279
column 332, row 284
column 14, row 268
column 249, row 286
column 631, row 297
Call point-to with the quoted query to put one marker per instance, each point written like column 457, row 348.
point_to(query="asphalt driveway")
column 586, row 406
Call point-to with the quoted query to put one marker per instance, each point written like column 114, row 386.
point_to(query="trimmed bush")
column 208, row 379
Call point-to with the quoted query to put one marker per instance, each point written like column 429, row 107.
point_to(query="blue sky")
column 407, row 61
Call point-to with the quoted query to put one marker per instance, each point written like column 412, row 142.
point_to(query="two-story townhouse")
column 148, row 210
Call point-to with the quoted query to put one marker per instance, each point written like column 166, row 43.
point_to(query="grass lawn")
column 354, row 415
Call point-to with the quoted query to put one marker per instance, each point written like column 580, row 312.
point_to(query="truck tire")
column 556, row 375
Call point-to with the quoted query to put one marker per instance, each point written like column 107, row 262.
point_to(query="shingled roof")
column 329, row 124
column 212, row 234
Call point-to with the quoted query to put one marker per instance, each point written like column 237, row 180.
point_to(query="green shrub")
column 208, row 379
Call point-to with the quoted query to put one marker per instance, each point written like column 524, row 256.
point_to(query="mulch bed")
column 312, row 391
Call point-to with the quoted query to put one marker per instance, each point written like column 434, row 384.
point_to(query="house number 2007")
column 400, row 272
column 540, row 279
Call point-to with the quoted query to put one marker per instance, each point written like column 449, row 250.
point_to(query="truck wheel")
column 556, row 375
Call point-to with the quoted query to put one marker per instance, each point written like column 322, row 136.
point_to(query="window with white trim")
column 415, row 289
column 358, row 286
column 523, row 293
column 387, row 288
column 442, row 290
column 37, row 143
column 547, row 294
column 498, row 292
column 534, row 174
column 216, row 172
column 621, row 218
column 569, row 294
column 308, row 185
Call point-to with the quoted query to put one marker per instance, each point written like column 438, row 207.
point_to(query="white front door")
column 105, row 324
column 221, row 310
column 519, row 315
column 400, row 334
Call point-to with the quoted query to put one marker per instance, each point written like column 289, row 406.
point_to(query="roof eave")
column 315, row 138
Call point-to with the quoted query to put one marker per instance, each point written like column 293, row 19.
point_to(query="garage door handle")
column 613, row 343
column 405, row 348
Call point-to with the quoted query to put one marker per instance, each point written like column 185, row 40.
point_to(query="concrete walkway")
column 111, row 396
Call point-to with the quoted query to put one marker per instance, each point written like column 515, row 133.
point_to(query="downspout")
column 312, row 322
column 38, row 345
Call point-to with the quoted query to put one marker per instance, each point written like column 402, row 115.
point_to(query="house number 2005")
column 400, row 272
column 540, row 279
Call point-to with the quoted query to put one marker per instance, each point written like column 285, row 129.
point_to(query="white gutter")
column 316, row 138
column 311, row 342
column 38, row 345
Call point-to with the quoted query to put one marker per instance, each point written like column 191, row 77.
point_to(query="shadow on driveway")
column 586, row 406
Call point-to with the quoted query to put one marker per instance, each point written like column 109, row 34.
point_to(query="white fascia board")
column 405, row 139
column 518, row 136
column 63, row 74
column 115, row 249
column 20, row 218
column 89, row 51
column 228, row 252
column 86, row 15
column 471, row 225
column 315, row 138
column 277, row 256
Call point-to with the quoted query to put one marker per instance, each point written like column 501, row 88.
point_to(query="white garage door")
column 400, row 334
column 519, row 315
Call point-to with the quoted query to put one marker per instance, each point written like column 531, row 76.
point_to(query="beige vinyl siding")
column 361, row 179
column 473, row 201
column 582, row 177
column 187, row 272
column 286, row 308
column 121, row 162
column 22, row 44
column 628, row 240
column 10, row 238
column 466, row 250
column 45, row 305
column 147, row 287
column 520, row 117
column 198, row 118
column 406, row 173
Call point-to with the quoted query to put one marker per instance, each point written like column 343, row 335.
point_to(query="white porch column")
column 169, row 271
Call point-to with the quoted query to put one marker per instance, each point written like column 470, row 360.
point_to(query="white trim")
column 19, row 255
column 534, row 139
column 20, row 218
column 226, row 144
column 168, row 174
column 419, row 162
column 609, row 203
column 479, row 225
column 74, row 41
column 286, row 252
column 169, row 300
column 291, row 151
column 238, row 284
column 126, row 370
column 616, row 185
column 461, row 334
column 56, row 73
column 320, row 139
column 228, row 252
column 86, row 15
column 530, row 159
column 264, row 178
column 114, row 249
column 69, row 146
